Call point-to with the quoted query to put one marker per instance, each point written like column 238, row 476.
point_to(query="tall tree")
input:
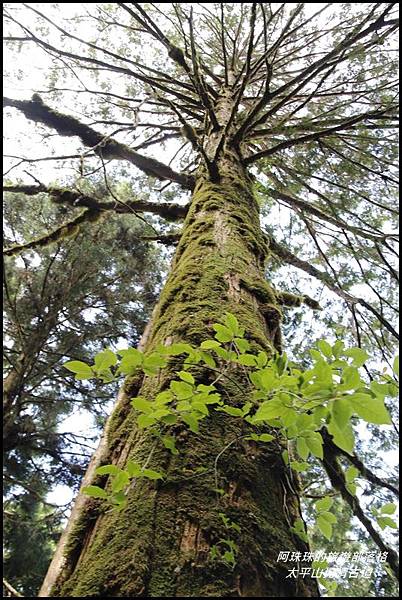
column 270, row 99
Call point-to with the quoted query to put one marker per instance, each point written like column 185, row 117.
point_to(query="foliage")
column 294, row 406
column 60, row 302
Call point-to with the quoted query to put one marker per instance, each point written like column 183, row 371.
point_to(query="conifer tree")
column 288, row 103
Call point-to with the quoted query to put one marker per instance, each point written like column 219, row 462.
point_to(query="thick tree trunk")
column 159, row 545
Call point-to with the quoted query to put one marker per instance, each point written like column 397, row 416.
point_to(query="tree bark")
column 159, row 545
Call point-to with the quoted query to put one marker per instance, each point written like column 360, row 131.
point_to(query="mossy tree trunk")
column 159, row 545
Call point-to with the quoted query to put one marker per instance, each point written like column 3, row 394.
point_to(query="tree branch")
column 338, row 481
column 311, row 137
column 68, row 229
column 171, row 212
column 306, row 206
column 109, row 149
column 10, row 589
column 284, row 253
column 367, row 474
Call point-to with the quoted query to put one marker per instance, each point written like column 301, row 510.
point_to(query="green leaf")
column 262, row 359
column 305, row 422
column 319, row 414
column 191, row 421
column 248, row 360
column 350, row 379
column 210, row 344
column 325, row 527
column 325, row 348
column 144, row 421
column 351, row 473
column 395, row 366
column 329, row 517
column 341, row 411
column 120, row 481
column 314, row 443
column 324, row 503
column 379, row 389
column 246, row 408
column 133, row 469
column 269, row 410
column 132, row 359
column 201, row 407
column 177, row 349
column 315, row 354
column 299, row 466
column 268, row 379
column 231, row 410
column 185, row 376
column 170, row 443
column 150, row 474
column 108, row 470
column 169, row 419
column 299, row 529
column 212, row 398
column 281, row 363
column 299, row 525
column 208, row 360
column 388, row 509
column 386, row 522
column 119, row 498
column 104, row 360
column 182, row 389
column 201, row 387
column 242, row 344
column 160, row 412
column 337, row 348
column 344, row 438
column 266, row 437
column 164, row 397
column 183, row 406
column 82, row 370
column 323, row 373
column 94, row 491
column 223, row 334
column 228, row 557
column 359, row 356
column 370, row 409
column 142, row 405
column 231, row 323
column 106, row 376
column 153, row 363
column 288, row 416
column 302, row 448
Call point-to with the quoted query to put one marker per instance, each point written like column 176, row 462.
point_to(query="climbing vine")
column 280, row 402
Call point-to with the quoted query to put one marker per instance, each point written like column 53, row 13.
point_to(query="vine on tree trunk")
column 280, row 404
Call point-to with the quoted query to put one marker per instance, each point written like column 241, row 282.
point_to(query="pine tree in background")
column 66, row 300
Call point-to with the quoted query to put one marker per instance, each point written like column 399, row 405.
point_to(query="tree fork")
column 159, row 545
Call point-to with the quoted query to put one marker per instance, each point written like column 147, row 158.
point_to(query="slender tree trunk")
column 159, row 545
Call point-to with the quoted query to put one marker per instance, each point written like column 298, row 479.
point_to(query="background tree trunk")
column 159, row 544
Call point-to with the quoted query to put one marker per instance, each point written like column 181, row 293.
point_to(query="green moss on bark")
column 159, row 545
